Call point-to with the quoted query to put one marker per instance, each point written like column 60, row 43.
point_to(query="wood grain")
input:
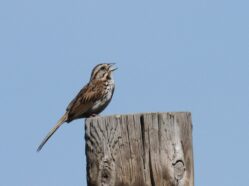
column 147, row 149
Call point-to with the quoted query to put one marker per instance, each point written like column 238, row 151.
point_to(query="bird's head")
column 102, row 71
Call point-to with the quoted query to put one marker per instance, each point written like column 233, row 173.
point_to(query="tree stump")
column 147, row 149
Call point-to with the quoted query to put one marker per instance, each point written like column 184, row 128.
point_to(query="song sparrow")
column 91, row 100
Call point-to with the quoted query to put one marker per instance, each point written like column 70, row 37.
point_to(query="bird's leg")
column 93, row 115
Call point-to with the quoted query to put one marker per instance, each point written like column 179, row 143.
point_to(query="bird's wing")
column 85, row 99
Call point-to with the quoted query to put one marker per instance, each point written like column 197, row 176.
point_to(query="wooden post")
column 148, row 149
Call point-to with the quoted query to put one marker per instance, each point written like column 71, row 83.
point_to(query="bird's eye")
column 102, row 68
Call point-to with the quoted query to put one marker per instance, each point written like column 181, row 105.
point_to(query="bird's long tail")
column 52, row 131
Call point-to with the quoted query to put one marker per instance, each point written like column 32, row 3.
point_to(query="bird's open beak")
column 112, row 69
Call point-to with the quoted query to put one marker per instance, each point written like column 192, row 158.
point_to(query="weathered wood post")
column 148, row 149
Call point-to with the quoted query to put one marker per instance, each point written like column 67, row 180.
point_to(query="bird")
column 91, row 100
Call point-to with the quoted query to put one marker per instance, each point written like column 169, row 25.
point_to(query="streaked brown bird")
column 91, row 100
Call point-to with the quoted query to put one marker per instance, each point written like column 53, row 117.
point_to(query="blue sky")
column 172, row 56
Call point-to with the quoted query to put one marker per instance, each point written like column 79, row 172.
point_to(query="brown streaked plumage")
column 91, row 100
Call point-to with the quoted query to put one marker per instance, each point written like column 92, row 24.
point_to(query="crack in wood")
column 143, row 138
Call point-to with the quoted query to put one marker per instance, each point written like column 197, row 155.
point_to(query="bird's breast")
column 106, row 97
